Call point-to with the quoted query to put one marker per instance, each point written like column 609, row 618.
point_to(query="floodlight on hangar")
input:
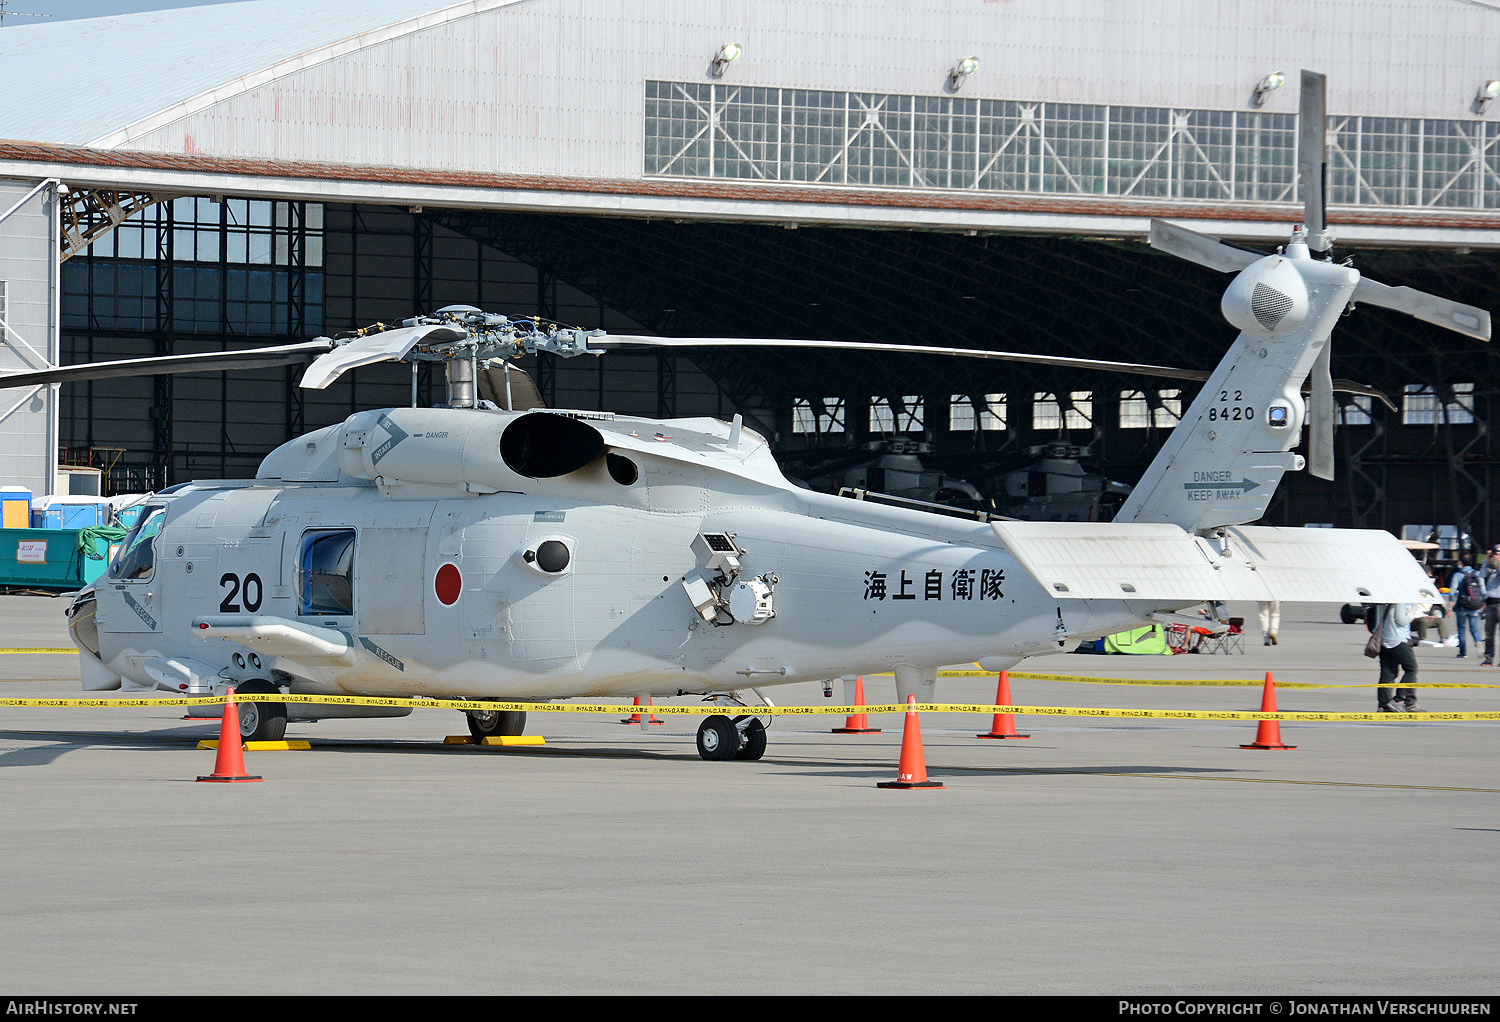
column 961, row 70
column 728, row 54
column 1267, row 85
column 1488, row 91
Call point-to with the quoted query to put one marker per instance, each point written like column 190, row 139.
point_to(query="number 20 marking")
column 251, row 590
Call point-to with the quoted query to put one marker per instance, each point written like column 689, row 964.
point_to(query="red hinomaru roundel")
column 448, row 584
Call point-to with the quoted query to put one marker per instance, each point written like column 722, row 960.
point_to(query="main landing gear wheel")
column 718, row 738
column 721, row 738
column 496, row 723
column 260, row 722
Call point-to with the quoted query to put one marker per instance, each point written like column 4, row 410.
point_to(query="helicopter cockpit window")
column 325, row 573
column 136, row 558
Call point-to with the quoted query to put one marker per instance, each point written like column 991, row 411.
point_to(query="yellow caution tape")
column 757, row 711
column 1189, row 682
column 39, row 650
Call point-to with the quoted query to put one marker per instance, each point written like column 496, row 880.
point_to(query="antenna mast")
column 17, row 14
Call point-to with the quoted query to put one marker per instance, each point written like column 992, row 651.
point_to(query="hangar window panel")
column 1140, row 151
column 1354, row 411
column 833, row 415
column 824, row 415
column 1419, row 405
column 1202, row 155
column 943, row 141
column 1389, row 158
column 1168, row 412
column 1135, row 413
column 909, row 415
column 804, row 420
column 896, row 141
column 748, row 137
column 990, row 417
column 1072, row 143
column 1011, row 146
column 815, row 136
column 1451, row 158
column 1080, row 410
column 880, row 140
column 961, row 418
column 677, row 128
column 882, row 419
column 1046, row 413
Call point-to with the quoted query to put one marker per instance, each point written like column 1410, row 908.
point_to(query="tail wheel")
column 260, row 722
column 496, row 723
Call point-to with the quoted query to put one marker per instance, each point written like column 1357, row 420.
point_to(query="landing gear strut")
column 719, row 737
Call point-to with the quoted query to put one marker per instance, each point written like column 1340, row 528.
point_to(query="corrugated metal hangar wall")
column 311, row 169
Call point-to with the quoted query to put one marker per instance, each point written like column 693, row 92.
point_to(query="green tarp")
column 1150, row 639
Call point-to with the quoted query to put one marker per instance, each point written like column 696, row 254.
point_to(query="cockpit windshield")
column 136, row 558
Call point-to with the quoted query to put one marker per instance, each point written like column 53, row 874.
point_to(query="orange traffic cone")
column 1268, row 734
column 911, row 772
column 229, row 762
column 858, row 723
column 635, row 718
column 1004, row 724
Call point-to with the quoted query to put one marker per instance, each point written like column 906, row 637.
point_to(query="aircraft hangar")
column 973, row 174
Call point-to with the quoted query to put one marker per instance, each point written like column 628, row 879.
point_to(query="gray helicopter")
column 487, row 551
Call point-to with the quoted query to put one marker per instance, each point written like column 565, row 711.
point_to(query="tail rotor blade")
column 1455, row 316
column 1320, row 416
column 1199, row 248
column 1312, row 159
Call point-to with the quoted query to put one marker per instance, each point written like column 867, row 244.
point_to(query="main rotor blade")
column 1199, row 248
column 1312, row 159
column 386, row 346
column 206, row 362
column 1464, row 319
column 620, row 341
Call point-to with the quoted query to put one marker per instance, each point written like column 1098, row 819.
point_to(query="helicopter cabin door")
column 391, row 569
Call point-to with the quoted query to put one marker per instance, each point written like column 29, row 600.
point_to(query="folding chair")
column 1231, row 640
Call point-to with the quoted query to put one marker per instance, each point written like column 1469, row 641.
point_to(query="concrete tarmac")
column 1100, row 856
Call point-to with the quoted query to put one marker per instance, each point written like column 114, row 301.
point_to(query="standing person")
column 1490, row 576
column 1393, row 622
column 1466, row 592
column 1270, row 621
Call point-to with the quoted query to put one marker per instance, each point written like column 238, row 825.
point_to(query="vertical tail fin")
column 1223, row 462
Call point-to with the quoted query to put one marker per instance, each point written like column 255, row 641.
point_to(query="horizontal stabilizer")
column 1168, row 567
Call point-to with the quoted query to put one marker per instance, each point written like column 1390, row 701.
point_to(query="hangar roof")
column 74, row 81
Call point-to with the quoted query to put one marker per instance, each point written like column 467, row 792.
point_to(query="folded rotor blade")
column 1464, row 319
column 206, row 362
column 1199, row 248
column 1320, row 416
column 387, row 346
column 616, row 341
column 1312, row 159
